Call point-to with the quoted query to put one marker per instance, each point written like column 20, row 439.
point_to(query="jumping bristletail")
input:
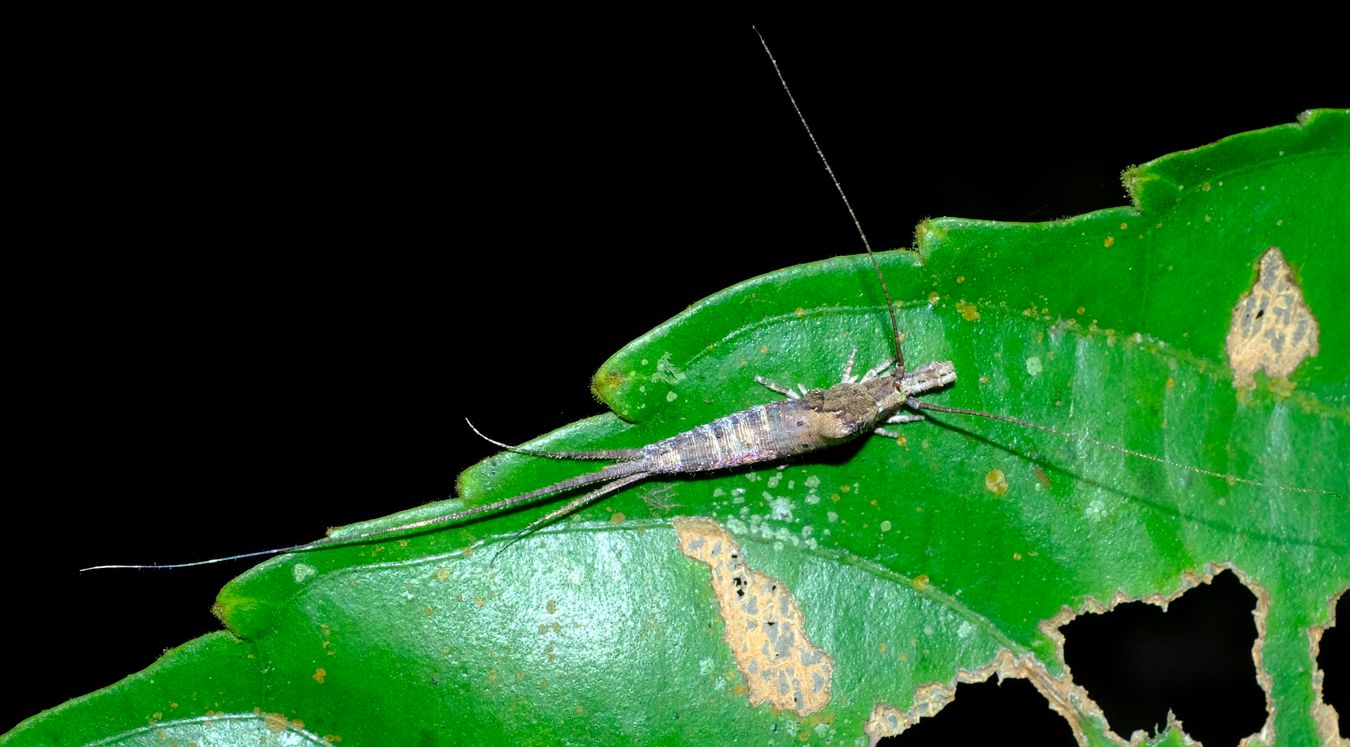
column 807, row 421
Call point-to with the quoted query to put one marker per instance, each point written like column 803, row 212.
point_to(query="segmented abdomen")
column 759, row 434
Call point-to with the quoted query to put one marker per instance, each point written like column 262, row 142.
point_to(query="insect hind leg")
column 572, row 507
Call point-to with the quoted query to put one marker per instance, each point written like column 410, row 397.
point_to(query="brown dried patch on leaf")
column 1189, row 580
column 1324, row 714
column 1064, row 697
column 763, row 625
column 885, row 721
column 888, row 721
column 1273, row 329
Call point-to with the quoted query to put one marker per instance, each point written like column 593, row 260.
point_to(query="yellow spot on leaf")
column 921, row 581
column 617, row 518
column 800, row 312
column 319, row 674
column 1110, row 242
column 551, row 606
column 968, row 310
column 996, row 482
column 275, row 722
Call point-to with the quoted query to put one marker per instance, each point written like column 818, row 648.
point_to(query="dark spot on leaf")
column 1011, row 713
column 1137, row 662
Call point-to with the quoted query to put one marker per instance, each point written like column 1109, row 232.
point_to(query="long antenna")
column 890, row 305
column 916, row 404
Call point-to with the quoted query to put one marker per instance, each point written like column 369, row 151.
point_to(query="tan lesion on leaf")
column 1273, row 329
column 1324, row 714
column 1189, row 580
column 888, row 721
column 764, row 627
column 1064, row 697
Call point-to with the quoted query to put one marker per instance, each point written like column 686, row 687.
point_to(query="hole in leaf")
column 1138, row 662
column 1010, row 713
column 1333, row 659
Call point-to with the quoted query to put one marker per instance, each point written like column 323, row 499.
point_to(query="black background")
column 275, row 262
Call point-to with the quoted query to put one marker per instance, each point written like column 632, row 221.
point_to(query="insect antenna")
column 890, row 305
column 916, row 404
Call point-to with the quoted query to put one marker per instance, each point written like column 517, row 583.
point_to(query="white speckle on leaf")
column 666, row 372
column 1034, row 366
column 1095, row 510
column 302, row 571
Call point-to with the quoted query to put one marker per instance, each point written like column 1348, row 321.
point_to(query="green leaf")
column 647, row 618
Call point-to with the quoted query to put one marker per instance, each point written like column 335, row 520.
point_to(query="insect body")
column 807, row 421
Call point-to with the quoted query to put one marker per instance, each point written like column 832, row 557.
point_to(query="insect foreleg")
column 876, row 370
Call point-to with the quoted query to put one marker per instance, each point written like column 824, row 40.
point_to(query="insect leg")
column 886, row 433
column 788, row 392
column 614, row 455
column 573, row 506
column 901, row 417
column 876, row 370
column 847, row 378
